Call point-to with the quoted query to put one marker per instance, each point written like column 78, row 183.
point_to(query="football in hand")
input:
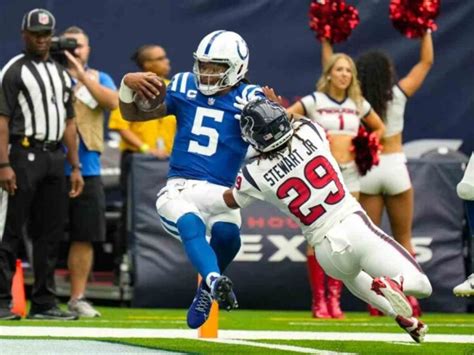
column 148, row 105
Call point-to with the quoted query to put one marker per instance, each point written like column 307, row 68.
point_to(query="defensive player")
column 208, row 139
column 297, row 173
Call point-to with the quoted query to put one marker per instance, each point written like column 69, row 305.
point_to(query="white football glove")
column 239, row 104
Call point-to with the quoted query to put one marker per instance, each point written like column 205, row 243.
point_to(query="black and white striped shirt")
column 38, row 97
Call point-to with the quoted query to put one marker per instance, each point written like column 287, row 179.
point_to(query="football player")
column 207, row 154
column 296, row 172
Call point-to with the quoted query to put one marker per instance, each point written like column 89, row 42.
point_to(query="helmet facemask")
column 211, row 76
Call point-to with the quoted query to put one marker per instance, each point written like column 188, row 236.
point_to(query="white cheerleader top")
column 336, row 117
column 395, row 112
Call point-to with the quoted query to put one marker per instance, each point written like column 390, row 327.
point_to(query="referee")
column 36, row 113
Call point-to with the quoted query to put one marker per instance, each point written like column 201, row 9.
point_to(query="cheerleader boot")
column 319, row 307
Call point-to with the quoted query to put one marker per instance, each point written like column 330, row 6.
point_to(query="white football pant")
column 356, row 251
column 181, row 196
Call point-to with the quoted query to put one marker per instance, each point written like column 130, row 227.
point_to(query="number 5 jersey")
column 303, row 181
column 208, row 144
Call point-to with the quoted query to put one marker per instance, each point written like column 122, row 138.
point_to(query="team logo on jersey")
column 43, row 19
column 191, row 94
column 211, row 101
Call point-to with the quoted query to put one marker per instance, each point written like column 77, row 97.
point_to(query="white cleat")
column 413, row 326
column 393, row 292
column 466, row 288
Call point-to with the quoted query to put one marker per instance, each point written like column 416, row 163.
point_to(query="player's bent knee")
column 191, row 226
column 226, row 230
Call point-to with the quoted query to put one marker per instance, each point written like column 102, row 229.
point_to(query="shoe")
column 334, row 298
column 83, row 308
column 199, row 310
column 54, row 313
column 466, row 288
column 393, row 292
column 6, row 314
column 222, row 292
column 415, row 306
column 319, row 307
column 413, row 326
column 374, row 312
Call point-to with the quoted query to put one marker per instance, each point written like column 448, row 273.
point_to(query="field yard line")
column 355, row 324
column 83, row 332
column 297, row 349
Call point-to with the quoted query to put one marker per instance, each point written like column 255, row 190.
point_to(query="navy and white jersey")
column 208, row 144
column 303, row 181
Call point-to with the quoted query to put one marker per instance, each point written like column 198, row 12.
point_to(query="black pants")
column 38, row 203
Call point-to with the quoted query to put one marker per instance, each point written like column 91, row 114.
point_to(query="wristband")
column 4, row 165
column 76, row 167
column 144, row 148
column 125, row 93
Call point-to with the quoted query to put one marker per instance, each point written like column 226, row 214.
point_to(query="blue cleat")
column 222, row 292
column 199, row 310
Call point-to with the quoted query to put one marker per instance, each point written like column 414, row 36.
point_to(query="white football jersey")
column 336, row 117
column 395, row 112
column 304, row 181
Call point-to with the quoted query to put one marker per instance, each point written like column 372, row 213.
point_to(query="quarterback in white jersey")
column 297, row 173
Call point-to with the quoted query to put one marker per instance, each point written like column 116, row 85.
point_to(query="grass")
column 461, row 324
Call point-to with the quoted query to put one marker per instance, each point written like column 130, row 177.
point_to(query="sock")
column 225, row 241
column 193, row 234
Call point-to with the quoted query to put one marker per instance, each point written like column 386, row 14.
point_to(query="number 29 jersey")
column 304, row 182
column 208, row 144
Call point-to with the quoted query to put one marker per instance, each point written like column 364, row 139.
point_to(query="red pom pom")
column 413, row 17
column 332, row 19
column 367, row 147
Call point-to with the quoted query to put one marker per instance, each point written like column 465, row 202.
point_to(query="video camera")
column 59, row 45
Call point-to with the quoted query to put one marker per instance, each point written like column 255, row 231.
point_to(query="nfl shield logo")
column 211, row 101
column 43, row 18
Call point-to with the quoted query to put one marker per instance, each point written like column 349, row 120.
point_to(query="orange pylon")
column 210, row 328
column 18, row 291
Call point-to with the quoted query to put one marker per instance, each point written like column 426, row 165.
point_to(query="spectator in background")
column 36, row 113
column 95, row 92
column 154, row 137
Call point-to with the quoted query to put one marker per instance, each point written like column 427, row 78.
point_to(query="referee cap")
column 38, row 20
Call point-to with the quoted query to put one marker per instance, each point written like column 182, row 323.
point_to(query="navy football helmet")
column 265, row 125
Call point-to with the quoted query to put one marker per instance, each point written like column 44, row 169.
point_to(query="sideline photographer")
column 95, row 92
column 36, row 114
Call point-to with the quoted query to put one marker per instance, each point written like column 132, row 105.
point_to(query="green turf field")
column 291, row 332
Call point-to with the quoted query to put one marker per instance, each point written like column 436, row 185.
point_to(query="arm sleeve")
column 68, row 96
column 107, row 81
column 244, row 191
column 252, row 92
column 10, row 88
column 366, row 108
column 116, row 121
column 3, row 104
column 309, row 105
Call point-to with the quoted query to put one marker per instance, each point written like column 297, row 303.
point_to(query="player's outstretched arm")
column 145, row 86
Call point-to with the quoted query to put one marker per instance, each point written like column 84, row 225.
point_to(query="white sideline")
column 85, row 332
column 296, row 349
